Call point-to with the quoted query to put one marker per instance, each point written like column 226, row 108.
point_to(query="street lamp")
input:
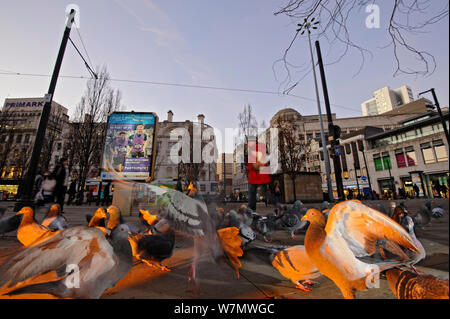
column 306, row 26
column 439, row 110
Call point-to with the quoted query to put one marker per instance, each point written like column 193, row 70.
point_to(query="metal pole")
column 27, row 192
column 367, row 172
column 331, row 127
column 324, row 143
column 440, row 114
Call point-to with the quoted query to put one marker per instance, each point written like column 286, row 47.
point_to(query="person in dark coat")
column 59, row 174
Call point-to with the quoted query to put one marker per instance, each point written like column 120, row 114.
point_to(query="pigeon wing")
column 82, row 246
column 361, row 226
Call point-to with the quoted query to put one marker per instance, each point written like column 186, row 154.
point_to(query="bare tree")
column 290, row 150
column 406, row 18
column 88, row 130
column 189, row 171
column 248, row 127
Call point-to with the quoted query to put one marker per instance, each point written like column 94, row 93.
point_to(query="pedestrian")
column 72, row 191
column 258, row 173
column 416, row 190
column 277, row 193
column 444, row 190
column 350, row 194
column 90, row 197
column 437, row 187
column 59, row 174
column 37, row 182
column 105, row 200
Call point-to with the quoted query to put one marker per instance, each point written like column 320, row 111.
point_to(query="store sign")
column 25, row 104
column 129, row 150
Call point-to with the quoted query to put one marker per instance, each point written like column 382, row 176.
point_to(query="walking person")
column 105, row 200
column 277, row 193
column 416, row 190
column 258, row 174
column 59, row 174
column 72, row 191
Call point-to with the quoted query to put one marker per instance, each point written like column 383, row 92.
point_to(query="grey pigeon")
column 94, row 263
column 8, row 224
column 245, row 231
column 264, row 225
column 408, row 224
column 54, row 220
column 438, row 211
column 290, row 222
column 156, row 247
column 423, row 217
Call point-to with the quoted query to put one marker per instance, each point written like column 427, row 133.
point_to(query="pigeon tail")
column 54, row 288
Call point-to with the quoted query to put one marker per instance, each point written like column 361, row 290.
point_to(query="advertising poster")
column 129, row 146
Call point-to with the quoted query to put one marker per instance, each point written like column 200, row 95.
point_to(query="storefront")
column 386, row 185
column 8, row 189
column 407, row 185
column 433, row 179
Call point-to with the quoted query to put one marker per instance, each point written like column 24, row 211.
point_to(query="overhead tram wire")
column 82, row 43
column 186, row 86
column 85, row 63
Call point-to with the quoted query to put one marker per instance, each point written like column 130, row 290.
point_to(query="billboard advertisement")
column 129, row 150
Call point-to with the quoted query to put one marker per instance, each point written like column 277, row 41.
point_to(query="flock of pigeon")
column 350, row 243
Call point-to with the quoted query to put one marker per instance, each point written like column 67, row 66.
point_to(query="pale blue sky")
column 229, row 44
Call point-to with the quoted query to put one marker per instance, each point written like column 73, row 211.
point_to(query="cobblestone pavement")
column 258, row 279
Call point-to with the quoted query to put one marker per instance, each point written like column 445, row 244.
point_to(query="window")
column 400, row 157
column 19, row 139
column 411, row 156
column 427, row 153
column 386, row 160
column 378, row 163
column 27, row 138
column 58, row 146
column 441, row 152
column 3, row 139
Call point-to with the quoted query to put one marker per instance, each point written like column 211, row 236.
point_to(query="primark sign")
column 25, row 104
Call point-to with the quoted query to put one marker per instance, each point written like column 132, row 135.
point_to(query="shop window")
column 411, row 156
column 11, row 172
column 441, row 152
column 427, row 153
column 378, row 162
column 387, row 161
column 400, row 157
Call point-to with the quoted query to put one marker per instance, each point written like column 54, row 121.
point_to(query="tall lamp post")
column 306, row 26
column 439, row 110
column 27, row 190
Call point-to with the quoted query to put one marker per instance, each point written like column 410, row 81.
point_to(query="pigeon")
column 54, row 220
column 289, row 220
column 190, row 216
column 438, row 211
column 30, row 232
column 9, row 224
column 293, row 263
column 408, row 224
column 147, row 219
column 245, row 231
column 96, row 264
column 423, row 217
column 337, row 247
column 411, row 285
column 98, row 220
column 154, row 247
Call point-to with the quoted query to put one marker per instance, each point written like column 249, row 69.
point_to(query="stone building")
column 19, row 121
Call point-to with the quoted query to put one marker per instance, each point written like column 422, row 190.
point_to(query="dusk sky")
column 228, row 44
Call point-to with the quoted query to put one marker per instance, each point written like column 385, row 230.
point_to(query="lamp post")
column 306, row 26
column 27, row 189
column 439, row 110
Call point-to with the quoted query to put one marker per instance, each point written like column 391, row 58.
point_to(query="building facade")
column 416, row 152
column 19, row 121
column 385, row 100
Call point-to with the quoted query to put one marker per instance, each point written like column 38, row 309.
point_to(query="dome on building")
column 287, row 113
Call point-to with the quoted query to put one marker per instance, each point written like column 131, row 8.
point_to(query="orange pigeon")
column 343, row 248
